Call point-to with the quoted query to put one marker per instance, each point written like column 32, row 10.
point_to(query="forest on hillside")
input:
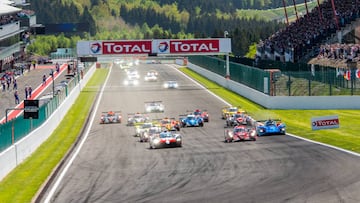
column 144, row 19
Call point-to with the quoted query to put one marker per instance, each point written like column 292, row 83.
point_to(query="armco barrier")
column 281, row 102
column 17, row 153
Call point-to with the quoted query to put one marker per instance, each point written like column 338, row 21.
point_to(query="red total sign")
column 325, row 122
column 126, row 47
column 194, row 46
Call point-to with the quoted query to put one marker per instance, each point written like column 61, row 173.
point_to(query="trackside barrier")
column 281, row 102
column 17, row 153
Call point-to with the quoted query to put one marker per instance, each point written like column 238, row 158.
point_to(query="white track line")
column 292, row 135
column 69, row 163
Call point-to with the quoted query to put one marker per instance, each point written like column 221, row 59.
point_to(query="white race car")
column 154, row 107
column 171, row 84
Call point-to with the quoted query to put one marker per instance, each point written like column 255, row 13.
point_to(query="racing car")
column 154, row 107
column 238, row 119
column 270, row 127
column 170, row 124
column 143, row 127
column 171, row 84
column 151, row 76
column 191, row 120
column 134, row 118
column 131, row 82
column 230, row 110
column 203, row 114
column 165, row 139
column 240, row 133
column 110, row 117
column 152, row 131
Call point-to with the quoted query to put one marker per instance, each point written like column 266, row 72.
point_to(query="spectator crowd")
column 311, row 29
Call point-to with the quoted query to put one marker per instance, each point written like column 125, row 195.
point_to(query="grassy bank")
column 23, row 182
column 298, row 122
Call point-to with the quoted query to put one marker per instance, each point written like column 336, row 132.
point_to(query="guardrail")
column 24, row 146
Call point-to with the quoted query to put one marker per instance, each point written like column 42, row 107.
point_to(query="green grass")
column 24, row 181
column 298, row 122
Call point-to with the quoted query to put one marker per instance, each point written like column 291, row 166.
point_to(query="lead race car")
column 154, row 107
column 110, row 117
column 240, row 133
column 165, row 139
column 270, row 127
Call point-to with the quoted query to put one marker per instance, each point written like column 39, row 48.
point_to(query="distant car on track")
column 171, row 84
column 147, row 134
column 110, row 117
column 134, row 118
column 230, row 110
column 154, row 107
column 203, row 114
column 191, row 120
column 169, row 124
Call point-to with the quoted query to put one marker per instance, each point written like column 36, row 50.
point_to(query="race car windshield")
column 197, row 113
column 148, row 125
column 190, row 118
column 232, row 109
column 237, row 130
column 165, row 135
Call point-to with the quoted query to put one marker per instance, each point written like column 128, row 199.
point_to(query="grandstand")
column 320, row 32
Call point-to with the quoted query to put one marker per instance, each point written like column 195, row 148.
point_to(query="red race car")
column 240, row 133
column 203, row 114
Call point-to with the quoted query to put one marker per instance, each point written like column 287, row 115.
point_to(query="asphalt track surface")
column 113, row 166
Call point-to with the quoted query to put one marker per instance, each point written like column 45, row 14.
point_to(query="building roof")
column 6, row 9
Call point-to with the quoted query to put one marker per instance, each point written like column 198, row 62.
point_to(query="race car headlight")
column 126, row 82
column 178, row 139
column 282, row 129
column 262, row 130
column 175, row 85
column 166, row 85
column 148, row 109
column 231, row 135
column 156, row 141
column 253, row 134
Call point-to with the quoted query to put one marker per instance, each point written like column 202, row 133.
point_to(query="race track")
column 113, row 166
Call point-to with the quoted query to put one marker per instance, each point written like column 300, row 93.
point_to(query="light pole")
column 227, row 75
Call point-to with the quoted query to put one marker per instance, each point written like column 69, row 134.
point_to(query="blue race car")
column 270, row 127
column 191, row 121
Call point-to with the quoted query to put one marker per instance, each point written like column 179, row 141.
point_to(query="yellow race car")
column 230, row 110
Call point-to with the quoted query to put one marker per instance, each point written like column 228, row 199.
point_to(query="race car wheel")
column 201, row 124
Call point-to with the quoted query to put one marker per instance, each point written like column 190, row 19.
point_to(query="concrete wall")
column 21, row 150
column 281, row 102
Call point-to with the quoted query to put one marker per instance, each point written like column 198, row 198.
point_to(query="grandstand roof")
column 6, row 9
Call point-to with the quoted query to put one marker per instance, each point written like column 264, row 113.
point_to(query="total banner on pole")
column 207, row 46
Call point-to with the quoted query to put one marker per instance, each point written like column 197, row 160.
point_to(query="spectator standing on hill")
column 44, row 80
column 30, row 91
column 26, row 92
column 16, row 95
column 3, row 85
column 15, row 85
column 8, row 81
column 57, row 67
